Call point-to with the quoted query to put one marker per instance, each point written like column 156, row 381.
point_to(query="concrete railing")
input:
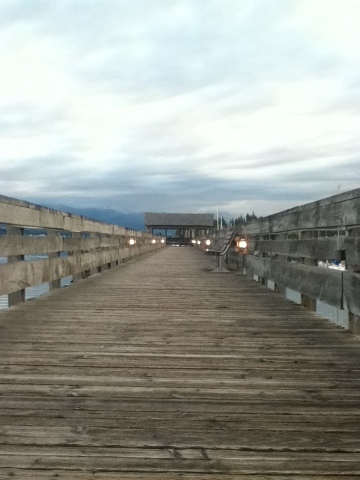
column 40, row 245
column 289, row 249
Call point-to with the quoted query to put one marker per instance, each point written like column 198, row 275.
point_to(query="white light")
column 208, row 242
column 132, row 241
column 153, row 240
column 193, row 241
column 198, row 242
column 243, row 244
column 162, row 240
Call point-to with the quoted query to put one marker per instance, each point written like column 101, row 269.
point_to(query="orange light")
column 242, row 243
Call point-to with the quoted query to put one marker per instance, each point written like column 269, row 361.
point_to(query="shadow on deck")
column 159, row 369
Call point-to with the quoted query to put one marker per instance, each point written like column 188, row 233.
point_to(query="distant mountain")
column 134, row 221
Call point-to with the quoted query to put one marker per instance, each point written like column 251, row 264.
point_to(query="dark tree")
column 241, row 219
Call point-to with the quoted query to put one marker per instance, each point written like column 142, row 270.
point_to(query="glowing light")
column 242, row 243
column 132, row 241
column 153, row 240
column 208, row 242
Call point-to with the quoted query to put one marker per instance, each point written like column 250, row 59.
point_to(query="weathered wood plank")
column 96, row 246
column 317, row 248
column 219, row 462
column 89, row 474
column 293, row 233
column 352, row 292
column 341, row 210
column 20, row 275
column 352, row 248
column 16, row 245
column 196, row 421
column 160, row 369
column 319, row 283
column 25, row 214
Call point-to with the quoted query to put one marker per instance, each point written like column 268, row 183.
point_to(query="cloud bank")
column 179, row 106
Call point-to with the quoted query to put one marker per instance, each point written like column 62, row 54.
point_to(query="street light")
column 242, row 243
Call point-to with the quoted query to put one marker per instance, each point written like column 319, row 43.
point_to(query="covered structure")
column 179, row 227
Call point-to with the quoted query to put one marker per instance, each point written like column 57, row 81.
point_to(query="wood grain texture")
column 317, row 248
column 352, row 292
column 25, row 214
column 319, row 283
column 160, row 369
column 342, row 210
column 17, row 245
column 24, row 274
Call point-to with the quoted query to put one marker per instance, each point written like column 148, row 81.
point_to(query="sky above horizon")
column 179, row 105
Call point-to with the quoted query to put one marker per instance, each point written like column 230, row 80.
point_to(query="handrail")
column 69, row 245
column 224, row 247
column 290, row 247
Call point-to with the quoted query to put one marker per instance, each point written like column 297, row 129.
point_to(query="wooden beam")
column 20, row 275
column 352, row 292
column 319, row 248
column 24, row 214
column 338, row 211
column 314, row 282
column 17, row 295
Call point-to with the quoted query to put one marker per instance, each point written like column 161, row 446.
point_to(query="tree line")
column 243, row 219
column 236, row 221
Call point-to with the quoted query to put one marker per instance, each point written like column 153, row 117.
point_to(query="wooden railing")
column 287, row 248
column 70, row 245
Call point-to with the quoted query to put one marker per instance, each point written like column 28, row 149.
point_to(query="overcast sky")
column 179, row 106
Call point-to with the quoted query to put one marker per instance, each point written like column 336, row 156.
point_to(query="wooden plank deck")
column 160, row 369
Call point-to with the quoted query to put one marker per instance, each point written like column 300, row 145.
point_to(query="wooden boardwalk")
column 160, row 370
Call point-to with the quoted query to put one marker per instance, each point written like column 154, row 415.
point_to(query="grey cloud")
column 148, row 47
column 19, row 11
column 22, row 118
column 153, row 47
column 49, row 169
column 130, row 194
column 276, row 157
column 229, row 59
